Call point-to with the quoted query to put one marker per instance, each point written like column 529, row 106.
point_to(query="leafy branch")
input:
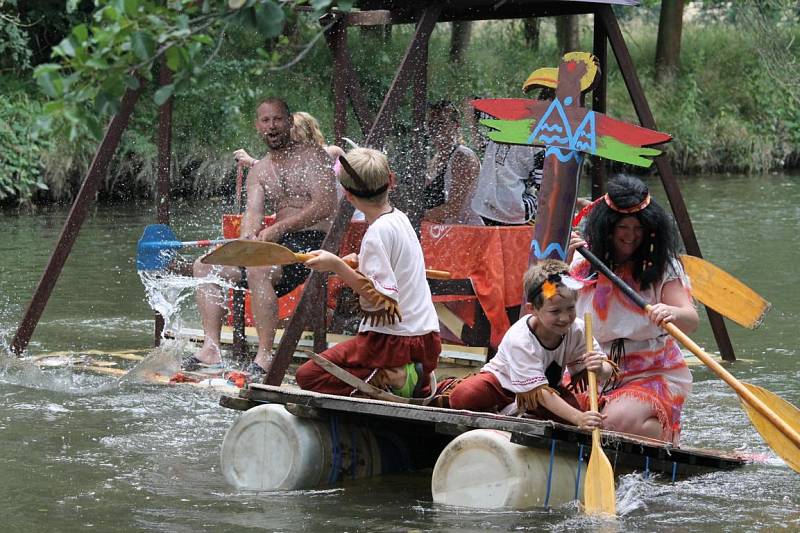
column 98, row 61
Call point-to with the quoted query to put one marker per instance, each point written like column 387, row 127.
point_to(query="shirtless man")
column 297, row 181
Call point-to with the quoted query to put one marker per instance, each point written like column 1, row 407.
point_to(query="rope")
column 578, row 477
column 550, row 472
column 336, row 452
column 647, row 467
column 353, row 451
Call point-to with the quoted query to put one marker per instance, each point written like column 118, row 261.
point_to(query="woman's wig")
column 629, row 197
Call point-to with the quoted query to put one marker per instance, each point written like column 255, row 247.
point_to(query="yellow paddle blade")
column 780, row 443
column 599, row 495
column 724, row 293
column 247, row 253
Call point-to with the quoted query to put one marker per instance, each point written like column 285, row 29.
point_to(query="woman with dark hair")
column 638, row 240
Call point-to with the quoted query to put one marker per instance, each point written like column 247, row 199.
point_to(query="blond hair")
column 537, row 275
column 306, row 129
column 373, row 169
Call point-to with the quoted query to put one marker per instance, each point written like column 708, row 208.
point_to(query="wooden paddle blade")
column 780, row 443
column 247, row 253
column 724, row 293
column 599, row 495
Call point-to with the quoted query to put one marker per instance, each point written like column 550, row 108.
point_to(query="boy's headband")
column 549, row 287
column 363, row 190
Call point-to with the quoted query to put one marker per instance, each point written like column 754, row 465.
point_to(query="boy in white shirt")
column 534, row 353
column 398, row 344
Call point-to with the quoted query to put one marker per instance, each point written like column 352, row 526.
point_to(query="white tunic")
column 391, row 257
column 505, row 173
column 521, row 360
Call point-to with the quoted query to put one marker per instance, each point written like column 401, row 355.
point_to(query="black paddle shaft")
column 599, row 265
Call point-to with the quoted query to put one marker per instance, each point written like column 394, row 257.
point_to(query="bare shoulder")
column 334, row 151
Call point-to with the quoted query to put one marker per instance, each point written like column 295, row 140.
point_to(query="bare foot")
column 209, row 354
column 263, row 359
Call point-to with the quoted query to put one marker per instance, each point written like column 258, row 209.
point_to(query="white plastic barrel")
column 268, row 448
column 484, row 469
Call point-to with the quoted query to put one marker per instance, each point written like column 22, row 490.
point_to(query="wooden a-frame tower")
column 411, row 74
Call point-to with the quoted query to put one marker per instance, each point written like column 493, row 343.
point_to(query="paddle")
column 599, row 494
column 776, row 420
column 156, row 249
column 249, row 253
column 725, row 294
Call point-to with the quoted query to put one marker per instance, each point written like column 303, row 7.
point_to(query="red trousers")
column 483, row 393
column 367, row 352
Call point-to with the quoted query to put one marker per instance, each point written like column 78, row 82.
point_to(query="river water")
column 81, row 451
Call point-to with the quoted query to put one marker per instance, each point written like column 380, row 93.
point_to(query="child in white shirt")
column 398, row 342
column 534, row 353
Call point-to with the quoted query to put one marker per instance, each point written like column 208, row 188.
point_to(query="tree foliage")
column 99, row 60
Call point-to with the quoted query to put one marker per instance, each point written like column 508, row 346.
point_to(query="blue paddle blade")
column 156, row 248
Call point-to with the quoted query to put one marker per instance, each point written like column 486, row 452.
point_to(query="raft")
column 445, row 440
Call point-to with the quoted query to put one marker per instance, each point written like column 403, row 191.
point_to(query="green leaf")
column 45, row 81
column 65, row 48
column 81, row 33
column 132, row 82
column 174, row 58
column 269, row 19
column 163, row 94
column 97, row 63
column 320, row 5
column 142, row 45
column 131, row 7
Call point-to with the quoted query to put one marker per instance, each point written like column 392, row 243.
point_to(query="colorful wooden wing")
column 568, row 127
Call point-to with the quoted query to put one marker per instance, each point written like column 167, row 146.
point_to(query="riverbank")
column 724, row 111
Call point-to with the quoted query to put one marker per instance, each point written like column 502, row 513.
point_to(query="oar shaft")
column 587, row 321
column 734, row 383
column 684, row 339
column 176, row 245
column 430, row 273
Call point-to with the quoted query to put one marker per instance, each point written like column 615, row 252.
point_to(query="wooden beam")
column 600, row 51
column 346, row 80
column 373, row 13
column 336, row 37
column 77, row 214
column 404, row 75
column 164, row 167
column 671, row 186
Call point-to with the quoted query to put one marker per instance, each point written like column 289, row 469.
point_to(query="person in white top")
column 398, row 344
column 452, row 171
column 510, row 179
column 535, row 351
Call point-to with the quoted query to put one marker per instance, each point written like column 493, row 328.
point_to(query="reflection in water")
column 88, row 451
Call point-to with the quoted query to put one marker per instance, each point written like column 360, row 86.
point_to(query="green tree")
column 668, row 44
column 116, row 50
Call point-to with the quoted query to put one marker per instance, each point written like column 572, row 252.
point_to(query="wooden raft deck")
column 427, row 430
